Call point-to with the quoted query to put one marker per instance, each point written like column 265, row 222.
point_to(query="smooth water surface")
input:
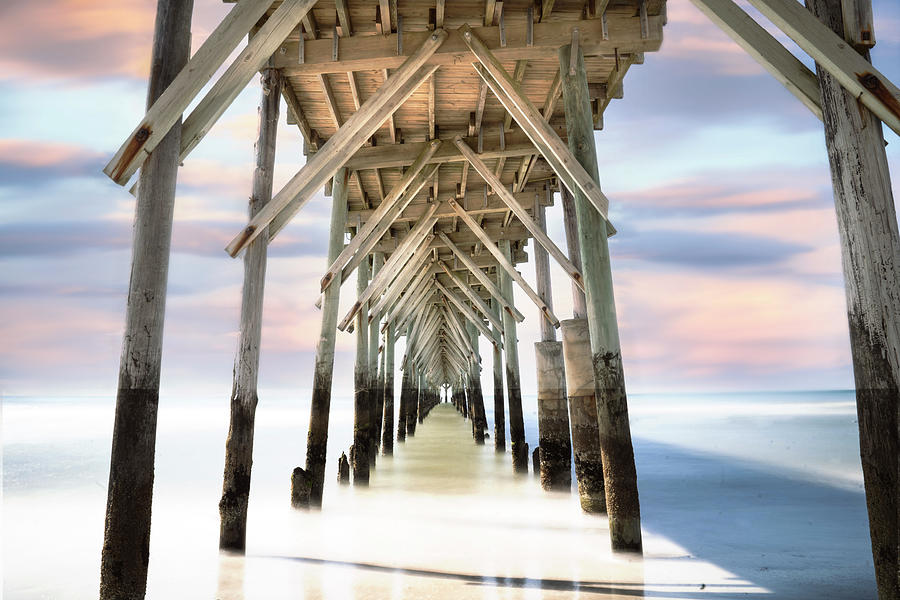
column 748, row 495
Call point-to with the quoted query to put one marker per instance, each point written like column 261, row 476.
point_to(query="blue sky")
column 727, row 265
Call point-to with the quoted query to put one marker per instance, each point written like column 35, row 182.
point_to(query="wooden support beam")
column 418, row 236
column 546, row 8
column 343, row 17
column 466, row 311
column 348, row 138
column 474, row 298
column 383, row 157
column 509, row 199
column 376, row 52
column 440, row 7
column 416, row 185
column 497, row 368
column 870, row 259
column 504, row 262
column 168, row 108
column 320, row 406
column 513, row 382
column 392, row 126
column 296, row 112
column 385, row 12
column 394, row 292
column 381, row 214
column 483, row 279
column 527, row 116
column 606, row 355
column 831, row 52
column 518, row 75
column 362, row 414
column 514, row 232
column 765, row 49
column 387, row 427
column 123, row 565
column 239, row 445
column 542, row 275
column 432, row 131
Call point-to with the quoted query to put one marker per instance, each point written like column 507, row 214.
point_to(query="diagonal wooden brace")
column 352, row 134
column 532, row 123
column 168, row 108
column 510, row 200
column 832, row 53
column 488, row 243
column 482, row 277
column 385, row 214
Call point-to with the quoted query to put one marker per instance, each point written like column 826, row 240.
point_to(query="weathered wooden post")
column 320, row 405
column 553, row 411
column 405, row 384
column 414, row 398
column 387, row 429
column 620, row 476
column 126, row 540
column 583, row 413
column 479, row 420
column 374, row 396
column 513, row 385
column 870, row 249
column 362, row 412
column 239, row 445
column 497, row 364
column 580, row 381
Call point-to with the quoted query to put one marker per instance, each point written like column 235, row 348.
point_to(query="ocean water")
column 743, row 495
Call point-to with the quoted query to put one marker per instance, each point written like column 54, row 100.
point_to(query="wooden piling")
column 343, row 470
column 583, row 415
column 126, row 540
column 239, row 444
column 405, row 385
column 387, row 429
column 553, row 411
column 870, row 250
column 413, row 405
column 580, row 380
column 320, row 405
column 362, row 411
column 553, row 418
column 497, row 364
column 620, row 475
column 301, row 488
column 479, row 418
column 375, row 399
column 513, row 385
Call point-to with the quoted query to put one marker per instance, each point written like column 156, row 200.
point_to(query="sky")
column 726, row 265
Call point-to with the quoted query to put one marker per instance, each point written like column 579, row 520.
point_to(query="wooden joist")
column 376, row 219
column 505, row 264
column 417, row 241
column 509, row 199
column 375, row 52
column 514, row 144
column 417, row 183
column 482, row 277
column 335, row 152
column 531, row 121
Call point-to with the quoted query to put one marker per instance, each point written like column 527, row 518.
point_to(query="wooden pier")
column 442, row 131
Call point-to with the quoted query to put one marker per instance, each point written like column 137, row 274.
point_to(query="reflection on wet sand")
column 445, row 518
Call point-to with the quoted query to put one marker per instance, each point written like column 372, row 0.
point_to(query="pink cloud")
column 77, row 39
column 37, row 154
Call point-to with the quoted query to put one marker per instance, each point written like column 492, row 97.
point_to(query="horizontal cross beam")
column 371, row 53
